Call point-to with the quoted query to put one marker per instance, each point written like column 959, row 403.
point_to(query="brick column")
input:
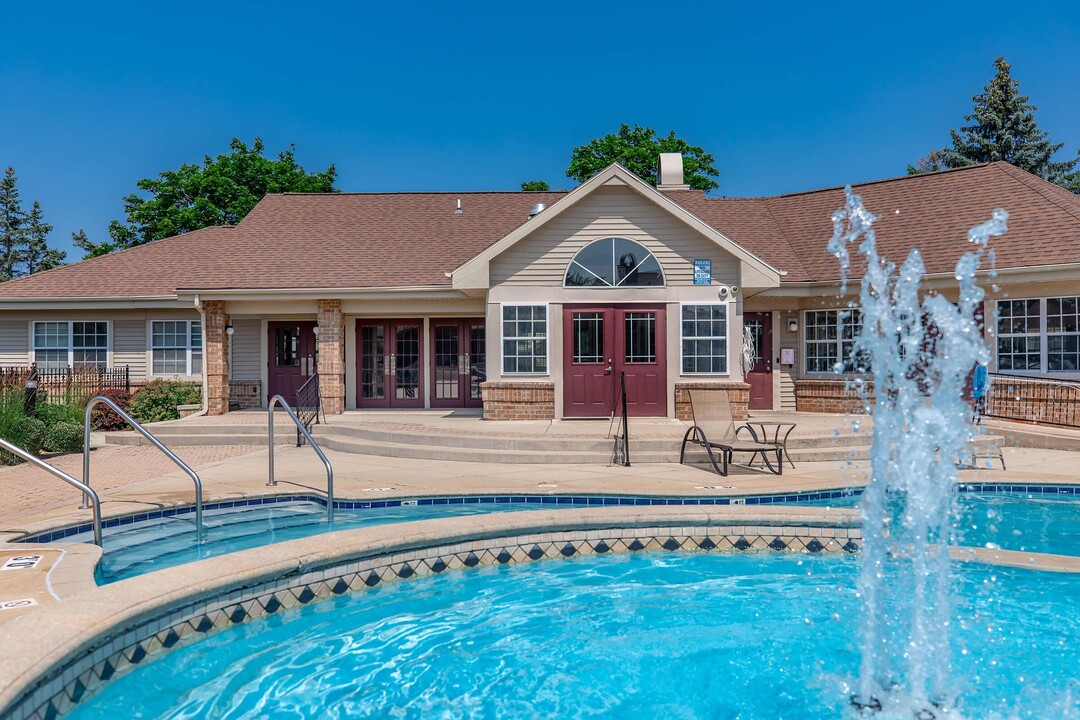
column 216, row 357
column 331, row 357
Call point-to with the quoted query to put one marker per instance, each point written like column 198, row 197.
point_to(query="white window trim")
column 1043, row 335
column 71, row 341
column 187, row 357
column 547, row 339
column 838, row 343
column 730, row 305
column 619, row 285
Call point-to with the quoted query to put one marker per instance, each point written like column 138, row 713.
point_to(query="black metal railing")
column 620, row 453
column 308, row 406
column 1032, row 399
column 66, row 385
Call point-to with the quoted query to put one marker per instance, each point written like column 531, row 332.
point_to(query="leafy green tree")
column 38, row 255
column 221, row 191
column 12, row 226
column 1002, row 127
column 535, row 186
column 637, row 149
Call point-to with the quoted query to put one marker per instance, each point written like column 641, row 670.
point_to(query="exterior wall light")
column 793, row 325
column 315, row 330
column 229, row 330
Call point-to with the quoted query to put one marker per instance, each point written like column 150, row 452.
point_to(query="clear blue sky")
column 482, row 95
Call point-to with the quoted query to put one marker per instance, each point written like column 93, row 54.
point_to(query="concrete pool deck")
column 139, row 478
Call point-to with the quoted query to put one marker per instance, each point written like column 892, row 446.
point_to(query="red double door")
column 390, row 369
column 602, row 343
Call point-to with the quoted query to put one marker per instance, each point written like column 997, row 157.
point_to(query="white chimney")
column 669, row 172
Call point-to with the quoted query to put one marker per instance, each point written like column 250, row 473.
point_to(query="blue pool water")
column 651, row 635
column 1010, row 521
column 1035, row 523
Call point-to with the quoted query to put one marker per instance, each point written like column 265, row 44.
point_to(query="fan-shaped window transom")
column 614, row 262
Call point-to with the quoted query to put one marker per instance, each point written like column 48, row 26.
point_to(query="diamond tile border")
column 131, row 647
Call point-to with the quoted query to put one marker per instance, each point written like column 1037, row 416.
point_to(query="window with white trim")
column 829, row 341
column 524, row 338
column 177, row 347
column 704, row 338
column 65, row 344
column 1039, row 335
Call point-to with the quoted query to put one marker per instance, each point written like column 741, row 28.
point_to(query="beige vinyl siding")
column 246, row 350
column 14, row 342
column 129, row 347
column 541, row 258
column 787, row 339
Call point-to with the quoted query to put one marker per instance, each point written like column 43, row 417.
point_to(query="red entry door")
column 758, row 326
column 293, row 357
column 603, row 343
column 389, row 359
column 458, row 362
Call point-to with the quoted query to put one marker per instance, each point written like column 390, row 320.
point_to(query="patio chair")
column 714, row 428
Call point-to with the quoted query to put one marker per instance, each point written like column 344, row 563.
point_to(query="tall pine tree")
column 1002, row 127
column 38, row 255
column 12, row 226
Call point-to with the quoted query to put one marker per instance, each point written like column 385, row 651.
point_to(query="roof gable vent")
column 669, row 172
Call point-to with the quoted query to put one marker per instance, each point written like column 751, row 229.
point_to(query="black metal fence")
column 1033, row 399
column 66, row 385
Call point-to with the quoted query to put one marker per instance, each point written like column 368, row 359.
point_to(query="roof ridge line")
column 423, row 192
column 1045, row 195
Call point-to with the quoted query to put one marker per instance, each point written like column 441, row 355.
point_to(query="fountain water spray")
column 921, row 351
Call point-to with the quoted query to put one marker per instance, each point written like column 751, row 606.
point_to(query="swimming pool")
column 1030, row 519
column 651, row 635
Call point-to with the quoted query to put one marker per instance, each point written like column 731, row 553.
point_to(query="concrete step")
column 654, row 452
column 486, row 441
column 488, row 455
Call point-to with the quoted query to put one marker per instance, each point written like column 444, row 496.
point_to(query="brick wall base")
column 738, row 397
column 245, row 394
column 830, row 396
column 518, row 400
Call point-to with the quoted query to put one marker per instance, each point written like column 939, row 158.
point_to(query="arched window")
column 614, row 262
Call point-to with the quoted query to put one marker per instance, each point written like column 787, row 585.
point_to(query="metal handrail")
column 314, row 446
column 60, row 474
column 94, row 402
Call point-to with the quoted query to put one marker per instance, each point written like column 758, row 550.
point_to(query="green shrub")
column 64, row 436
column 157, row 401
column 52, row 413
column 29, row 434
column 104, row 417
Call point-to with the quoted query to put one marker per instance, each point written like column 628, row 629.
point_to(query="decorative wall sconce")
column 315, row 330
column 229, row 330
column 793, row 325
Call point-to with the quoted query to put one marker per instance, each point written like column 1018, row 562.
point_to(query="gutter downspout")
column 205, row 386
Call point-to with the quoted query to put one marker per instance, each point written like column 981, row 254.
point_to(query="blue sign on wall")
column 703, row 272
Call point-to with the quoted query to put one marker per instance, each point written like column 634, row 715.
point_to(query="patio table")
column 779, row 432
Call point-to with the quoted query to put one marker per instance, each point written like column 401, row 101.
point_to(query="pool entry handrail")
column 101, row 400
column 271, row 482
column 88, row 492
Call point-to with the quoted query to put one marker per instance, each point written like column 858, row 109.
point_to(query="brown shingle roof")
column 152, row 270
column 934, row 212
column 379, row 240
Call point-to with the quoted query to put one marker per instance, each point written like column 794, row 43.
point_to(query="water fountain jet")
column 921, row 350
